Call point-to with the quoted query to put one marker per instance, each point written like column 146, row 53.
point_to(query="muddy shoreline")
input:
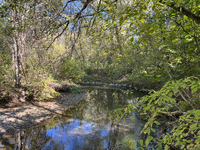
column 32, row 114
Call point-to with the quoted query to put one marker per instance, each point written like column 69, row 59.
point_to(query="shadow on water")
column 83, row 127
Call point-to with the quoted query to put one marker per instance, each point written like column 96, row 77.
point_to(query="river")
column 85, row 126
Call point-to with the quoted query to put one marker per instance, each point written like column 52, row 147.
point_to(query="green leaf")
column 148, row 131
column 141, row 142
column 167, row 147
column 166, row 107
column 158, row 75
column 194, row 90
column 162, row 46
column 170, row 105
column 132, row 118
column 182, row 146
column 173, row 101
column 178, row 132
column 193, row 127
column 143, row 20
column 175, row 90
column 131, row 40
column 153, row 130
column 149, row 138
column 156, row 122
column 170, row 94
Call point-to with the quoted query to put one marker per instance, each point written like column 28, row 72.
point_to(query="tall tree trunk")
column 17, row 64
column 17, row 18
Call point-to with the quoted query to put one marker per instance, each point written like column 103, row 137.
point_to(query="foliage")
column 75, row 90
column 168, row 102
column 38, row 86
column 5, row 59
column 45, row 93
column 5, row 69
column 187, row 134
column 69, row 69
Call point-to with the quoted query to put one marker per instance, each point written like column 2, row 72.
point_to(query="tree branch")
column 172, row 113
column 182, row 10
column 58, row 35
column 78, row 15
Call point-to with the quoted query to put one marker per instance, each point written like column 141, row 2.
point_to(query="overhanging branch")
column 78, row 15
column 182, row 10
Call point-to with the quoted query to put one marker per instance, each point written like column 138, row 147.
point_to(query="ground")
column 24, row 115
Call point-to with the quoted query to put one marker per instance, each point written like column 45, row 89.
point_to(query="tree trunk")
column 17, row 64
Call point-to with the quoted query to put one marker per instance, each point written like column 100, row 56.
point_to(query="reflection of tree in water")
column 6, row 144
column 21, row 139
column 105, row 100
column 113, row 136
column 31, row 139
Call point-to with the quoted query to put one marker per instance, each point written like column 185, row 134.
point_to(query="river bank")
column 129, row 86
column 34, row 113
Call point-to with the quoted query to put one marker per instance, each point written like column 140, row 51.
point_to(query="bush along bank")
column 176, row 109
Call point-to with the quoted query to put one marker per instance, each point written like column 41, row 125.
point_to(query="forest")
column 148, row 44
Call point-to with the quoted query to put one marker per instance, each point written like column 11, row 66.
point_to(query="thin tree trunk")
column 16, row 51
column 17, row 63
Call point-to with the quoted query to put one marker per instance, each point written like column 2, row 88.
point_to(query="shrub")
column 39, row 86
column 69, row 69
column 75, row 90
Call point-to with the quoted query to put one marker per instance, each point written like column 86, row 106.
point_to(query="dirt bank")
column 33, row 113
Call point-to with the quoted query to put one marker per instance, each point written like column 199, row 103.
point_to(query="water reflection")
column 85, row 126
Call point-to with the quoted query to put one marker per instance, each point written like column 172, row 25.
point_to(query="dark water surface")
column 83, row 127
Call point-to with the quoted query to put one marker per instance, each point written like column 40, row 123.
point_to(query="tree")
column 33, row 27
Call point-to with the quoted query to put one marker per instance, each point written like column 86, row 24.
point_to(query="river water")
column 85, row 126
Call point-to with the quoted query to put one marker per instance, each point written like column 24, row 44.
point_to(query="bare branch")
column 58, row 35
column 172, row 113
column 78, row 15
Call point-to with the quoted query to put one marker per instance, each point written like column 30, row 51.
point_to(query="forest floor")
column 19, row 115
